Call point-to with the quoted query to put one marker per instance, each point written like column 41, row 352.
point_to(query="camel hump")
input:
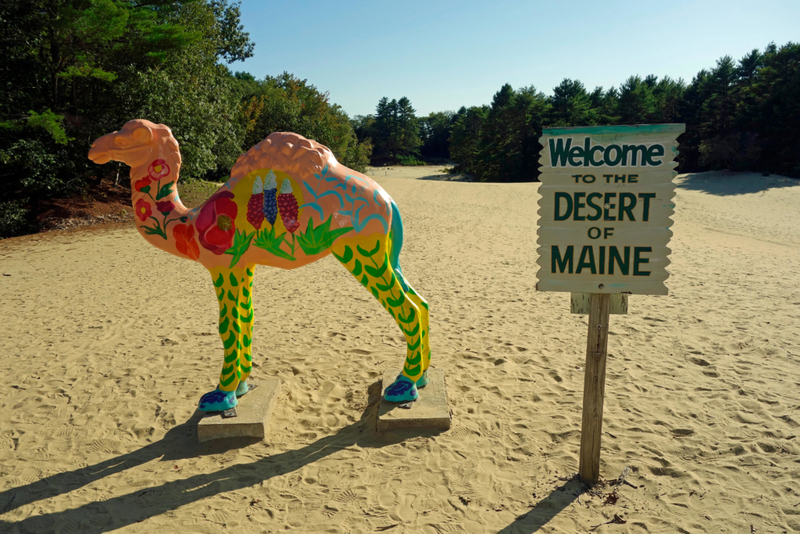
column 287, row 152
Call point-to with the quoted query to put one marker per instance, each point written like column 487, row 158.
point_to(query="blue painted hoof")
column 218, row 401
column 423, row 380
column 242, row 389
column 403, row 390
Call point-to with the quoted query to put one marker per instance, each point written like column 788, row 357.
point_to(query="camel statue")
column 287, row 203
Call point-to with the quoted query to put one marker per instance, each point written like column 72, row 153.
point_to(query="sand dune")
column 702, row 396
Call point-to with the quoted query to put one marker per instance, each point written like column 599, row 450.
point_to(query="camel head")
column 137, row 143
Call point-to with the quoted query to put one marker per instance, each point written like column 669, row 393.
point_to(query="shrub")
column 410, row 161
column 15, row 219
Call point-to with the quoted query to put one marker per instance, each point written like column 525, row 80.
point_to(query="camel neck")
column 154, row 196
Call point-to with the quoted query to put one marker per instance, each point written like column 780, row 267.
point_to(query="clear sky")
column 444, row 54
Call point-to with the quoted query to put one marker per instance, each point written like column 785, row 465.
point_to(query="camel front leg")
column 233, row 288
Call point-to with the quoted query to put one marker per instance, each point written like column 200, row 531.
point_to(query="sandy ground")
column 100, row 374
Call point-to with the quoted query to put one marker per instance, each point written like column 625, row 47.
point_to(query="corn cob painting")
column 288, row 203
column 255, row 209
column 270, row 197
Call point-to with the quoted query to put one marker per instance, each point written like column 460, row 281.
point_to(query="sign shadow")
column 546, row 509
column 731, row 183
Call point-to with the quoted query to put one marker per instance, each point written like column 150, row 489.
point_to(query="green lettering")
column 623, row 263
column 561, row 262
column 646, row 208
column 655, row 151
column 578, row 205
column 566, row 196
column 609, row 206
column 559, row 151
column 597, row 148
column 598, row 211
column 626, row 207
column 586, row 151
column 617, row 158
column 575, row 156
column 586, row 260
column 633, row 150
column 637, row 260
column 602, row 261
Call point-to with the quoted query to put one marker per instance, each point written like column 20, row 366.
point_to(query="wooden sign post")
column 604, row 218
column 594, row 386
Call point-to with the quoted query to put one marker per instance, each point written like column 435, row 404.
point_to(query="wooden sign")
column 605, row 208
column 604, row 218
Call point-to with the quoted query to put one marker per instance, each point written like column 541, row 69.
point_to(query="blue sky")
column 445, row 54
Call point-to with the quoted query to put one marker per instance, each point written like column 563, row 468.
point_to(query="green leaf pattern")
column 234, row 291
column 376, row 274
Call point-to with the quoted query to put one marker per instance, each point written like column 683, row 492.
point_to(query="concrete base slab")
column 252, row 418
column 430, row 411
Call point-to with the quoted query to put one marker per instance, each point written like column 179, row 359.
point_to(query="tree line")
column 739, row 115
column 73, row 70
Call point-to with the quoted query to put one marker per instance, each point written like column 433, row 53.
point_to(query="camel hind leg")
column 422, row 306
column 367, row 258
column 396, row 237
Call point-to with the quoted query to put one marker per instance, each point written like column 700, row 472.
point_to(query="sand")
column 100, row 375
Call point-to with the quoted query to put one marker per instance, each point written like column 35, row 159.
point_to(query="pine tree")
column 636, row 101
column 570, row 105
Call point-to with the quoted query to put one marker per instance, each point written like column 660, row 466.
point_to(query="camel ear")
column 142, row 135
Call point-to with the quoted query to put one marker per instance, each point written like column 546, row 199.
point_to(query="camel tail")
column 396, row 234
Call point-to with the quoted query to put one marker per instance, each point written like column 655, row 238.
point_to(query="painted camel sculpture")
column 288, row 203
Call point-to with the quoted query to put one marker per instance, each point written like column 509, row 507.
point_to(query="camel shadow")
column 546, row 509
column 181, row 442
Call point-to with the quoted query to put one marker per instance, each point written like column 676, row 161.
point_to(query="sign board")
column 605, row 208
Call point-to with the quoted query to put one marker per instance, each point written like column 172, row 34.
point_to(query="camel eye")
column 122, row 141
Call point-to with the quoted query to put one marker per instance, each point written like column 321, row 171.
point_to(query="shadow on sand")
column 443, row 177
column 180, row 442
column 725, row 183
column 547, row 508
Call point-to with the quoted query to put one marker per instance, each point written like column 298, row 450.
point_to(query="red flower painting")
column 143, row 209
column 158, row 169
column 184, row 241
column 141, row 184
column 165, row 206
column 215, row 224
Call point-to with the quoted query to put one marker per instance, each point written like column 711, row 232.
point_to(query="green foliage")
column 499, row 143
column 267, row 240
column 194, row 98
column 636, row 101
column 51, row 123
column 744, row 115
column 570, row 105
column 33, row 166
column 434, row 131
column 465, row 138
column 288, row 104
column 410, row 161
column 73, row 70
column 15, row 219
column 241, row 242
column 393, row 130
column 319, row 239
column 358, row 154
column 735, row 151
